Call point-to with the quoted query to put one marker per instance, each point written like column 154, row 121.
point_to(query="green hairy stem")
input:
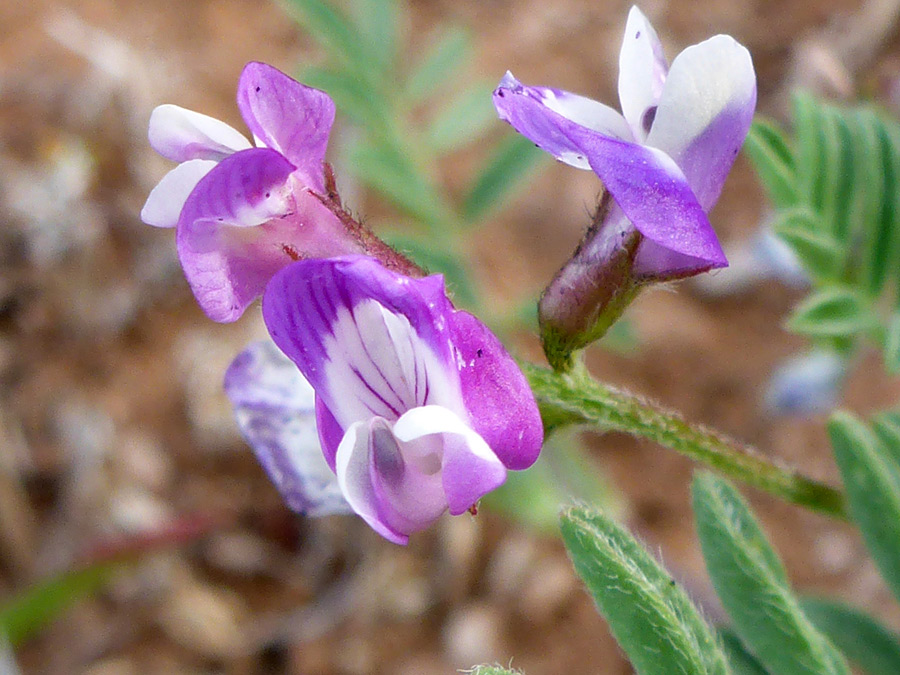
column 575, row 398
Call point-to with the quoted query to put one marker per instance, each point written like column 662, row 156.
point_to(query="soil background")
column 113, row 426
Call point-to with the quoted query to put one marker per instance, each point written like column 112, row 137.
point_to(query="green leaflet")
column 892, row 345
column 650, row 615
column 338, row 36
column 464, row 119
column 740, row 660
column 863, row 640
column 768, row 150
column 511, row 164
column 38, row 605
column 491, row 670
column 818, row 251
column 833, row 312
column 873, row 491
column 378, row 23
column 449, row 53
column 751, row 582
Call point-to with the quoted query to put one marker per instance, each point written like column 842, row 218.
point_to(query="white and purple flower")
column 665, row 159
column 241, row 213
column 419, row 408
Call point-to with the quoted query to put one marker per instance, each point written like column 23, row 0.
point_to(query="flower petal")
column 273, row 406
column 289, row 117
column 245, row 189
column 542, row 115
column 501, row 405
column 642, row 73
column 371, row 342
column 469, row 468
column 705, row 112
column 164, row 204
column 353, row 462
column 226, row 260
column 655, row 196
column 180, row 134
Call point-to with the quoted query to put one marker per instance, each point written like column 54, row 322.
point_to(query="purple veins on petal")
column 400, row 408
column 288, row 117
column 274, row 409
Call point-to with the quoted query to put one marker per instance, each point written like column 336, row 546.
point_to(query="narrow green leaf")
column 831, row 171
column 23, row 615
column 397, row 179
column 887, row 426
column 869, row 187
column 881, row 240
column 649, row 614
column 873, row 491
column 378, row 23
column 340, row 39
column 863, row 640
column 892, row 345
column 750, row 580
column 443, row 61
column 812, row 147
column 508, row 168
column 845, row 188
column 773, row 160
column 817, row 250
column 740, row 660
column 462, row 119
column 835, row 311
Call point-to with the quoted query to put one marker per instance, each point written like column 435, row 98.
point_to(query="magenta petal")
column 330, row 432
column 501, row 405
column 230, row 236
column 289, row 117
column 466, row 476
column 537, row 113
column 341, row 321
column 655, row 196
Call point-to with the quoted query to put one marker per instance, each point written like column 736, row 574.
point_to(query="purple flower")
column 241, row 212
column 665, row 159
column 275, row 409
column 419, row 408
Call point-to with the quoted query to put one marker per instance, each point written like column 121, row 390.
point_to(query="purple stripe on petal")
column 273, row 406
column 360, row 333
column 542, row 115
column 289, row 117
column 181, row 135
column 501, row 405
column 330, row 432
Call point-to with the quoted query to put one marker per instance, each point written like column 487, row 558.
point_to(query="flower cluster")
column 391, row 404
column 378, row 396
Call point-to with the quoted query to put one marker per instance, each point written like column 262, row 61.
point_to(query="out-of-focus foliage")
column 833, row 182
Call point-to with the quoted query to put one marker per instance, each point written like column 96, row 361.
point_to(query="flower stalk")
column 575, row 398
